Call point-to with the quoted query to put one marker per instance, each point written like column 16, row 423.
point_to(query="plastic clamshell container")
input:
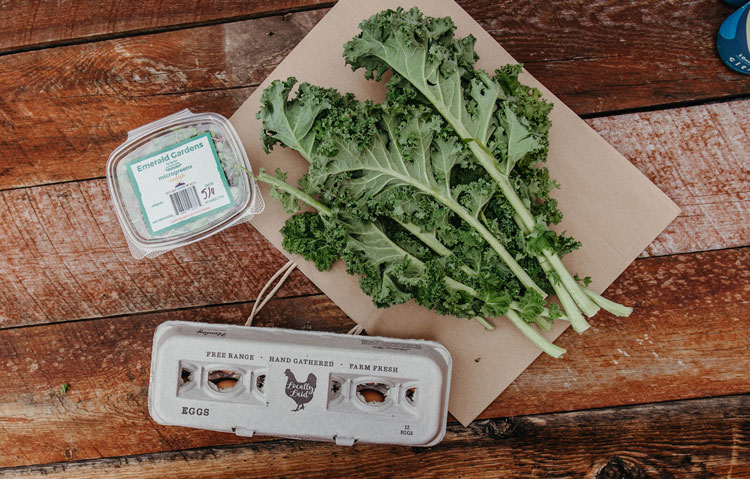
column 190, row 160
column 299, row 384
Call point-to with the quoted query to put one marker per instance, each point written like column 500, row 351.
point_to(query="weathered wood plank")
column 598, row 55
column 64, row 255
column 69, row 107
column 691, row 315
column 106, row 363
column 707, row 438
column 700, row 157
column 43, row 23
column 603, row 55
column 686, row 339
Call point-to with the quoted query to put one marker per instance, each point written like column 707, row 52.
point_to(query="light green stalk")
column 534, row 335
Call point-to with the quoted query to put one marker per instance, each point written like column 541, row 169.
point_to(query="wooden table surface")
column 663, row 393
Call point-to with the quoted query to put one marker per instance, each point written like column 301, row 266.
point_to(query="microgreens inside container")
column 179, row 180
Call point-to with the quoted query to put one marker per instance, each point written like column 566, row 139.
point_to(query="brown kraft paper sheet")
column 608, row 205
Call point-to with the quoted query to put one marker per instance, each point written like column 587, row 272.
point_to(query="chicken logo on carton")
column 300, row 392
column 249, row 381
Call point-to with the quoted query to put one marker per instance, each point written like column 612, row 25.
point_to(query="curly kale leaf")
column 401, row 201
column 527, row 103
column 531, row 306
column 434, row 68
column 542, row 238
column 291, row 122
column 423, row 51
column 308, row 235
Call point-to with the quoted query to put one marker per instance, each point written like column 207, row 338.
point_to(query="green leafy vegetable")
column 430, row 66
column 389, row 206
column 437, row 195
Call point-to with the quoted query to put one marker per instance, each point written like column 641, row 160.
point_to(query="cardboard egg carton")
column 299, row 384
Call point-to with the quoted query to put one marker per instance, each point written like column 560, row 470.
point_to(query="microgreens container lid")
column 180, row 179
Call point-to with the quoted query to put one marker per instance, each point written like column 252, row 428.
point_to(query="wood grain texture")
column 602, row 55
column 106, row 363
column 64, row 257
column 44, row 23
column 700, row 157
column 686, row 339
column 598, row 55
column 69, row 107
column 699, row 439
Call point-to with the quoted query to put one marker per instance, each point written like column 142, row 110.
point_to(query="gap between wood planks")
column 252, row 13
column 696, row 331
column 165, row 310
column 63, row 242
column 689, row 439
column 667, row 106
column 237, row 302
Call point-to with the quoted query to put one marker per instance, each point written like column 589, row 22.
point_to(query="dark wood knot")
column 501, row 428
column 621, row 468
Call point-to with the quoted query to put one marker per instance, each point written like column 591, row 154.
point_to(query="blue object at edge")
column 732, row 41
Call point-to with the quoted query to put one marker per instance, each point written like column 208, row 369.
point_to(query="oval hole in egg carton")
column 223, row 380
column 373, row 394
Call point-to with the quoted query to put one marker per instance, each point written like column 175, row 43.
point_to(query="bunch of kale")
column 438, row 194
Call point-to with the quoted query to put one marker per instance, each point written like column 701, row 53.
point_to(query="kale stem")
column 574, row 315
column 517, row 270
column 487, row 325
column 432, row 242
column 572, row 312
column 426, row 238
column 452, row 283
column 301, row 195
column 543, row 323
column 527, row 223
column 615, row 308
column 535, row 336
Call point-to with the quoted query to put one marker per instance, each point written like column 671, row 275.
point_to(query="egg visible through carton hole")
column 372, row 393
column 223, row 380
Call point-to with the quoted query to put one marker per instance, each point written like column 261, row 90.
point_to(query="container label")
column 180, row 184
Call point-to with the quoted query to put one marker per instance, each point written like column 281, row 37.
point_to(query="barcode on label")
column 185, row 200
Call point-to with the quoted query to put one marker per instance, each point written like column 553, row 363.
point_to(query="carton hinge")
column 344, row 441
column 244, row 432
